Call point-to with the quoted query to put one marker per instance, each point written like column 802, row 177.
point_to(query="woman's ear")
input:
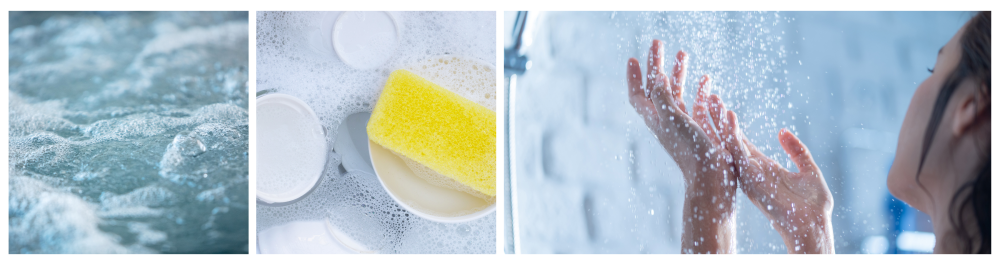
column 972, row 109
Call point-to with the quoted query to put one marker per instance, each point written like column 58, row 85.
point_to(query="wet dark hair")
column 975, row 64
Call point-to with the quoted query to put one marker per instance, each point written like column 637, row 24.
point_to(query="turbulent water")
column 128, row 132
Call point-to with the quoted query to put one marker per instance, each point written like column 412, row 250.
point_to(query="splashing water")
column 570, row 107
column 744, row 54
column 128, row 132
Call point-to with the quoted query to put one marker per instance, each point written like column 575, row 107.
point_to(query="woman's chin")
column 900, row 186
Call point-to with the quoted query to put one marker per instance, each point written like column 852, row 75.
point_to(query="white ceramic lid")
column 291, row 148
column 365, row 39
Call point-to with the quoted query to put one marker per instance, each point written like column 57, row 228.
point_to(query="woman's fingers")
column 767, row 165
column 701, row 109
column 637, row 96
column 654, row 64
column 716, row 108
column 734, row 143
column 677, row 79
column 633, row 74
column 662, row 102
column 797, row 151
column 749, row 171
column 701, row 117
column 704, row 89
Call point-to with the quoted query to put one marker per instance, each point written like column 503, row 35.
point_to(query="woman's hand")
column 799, row 204
column 693, row 142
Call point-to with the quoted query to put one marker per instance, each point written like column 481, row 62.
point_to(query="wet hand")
column 799, row 204
column 693, row 142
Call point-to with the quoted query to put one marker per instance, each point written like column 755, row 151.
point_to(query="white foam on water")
column 55, row 222
column 128, row 133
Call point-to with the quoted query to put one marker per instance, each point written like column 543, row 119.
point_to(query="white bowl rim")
column 443, row 219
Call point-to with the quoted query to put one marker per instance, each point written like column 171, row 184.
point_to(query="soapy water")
column 128, row 132
column 295, row 56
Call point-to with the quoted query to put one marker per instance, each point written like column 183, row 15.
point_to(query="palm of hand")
column 799, row 204
column 790, row 198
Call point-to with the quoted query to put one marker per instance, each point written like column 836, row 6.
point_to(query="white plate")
column 414, row 193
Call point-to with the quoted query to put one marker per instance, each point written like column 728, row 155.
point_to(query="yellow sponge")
column 437, row 128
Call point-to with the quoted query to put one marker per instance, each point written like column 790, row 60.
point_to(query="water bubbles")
column 188, row 146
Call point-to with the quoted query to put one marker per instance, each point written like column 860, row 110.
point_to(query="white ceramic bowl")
column 419, row 197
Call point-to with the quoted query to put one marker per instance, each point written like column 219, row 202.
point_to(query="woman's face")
column 902, row 180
